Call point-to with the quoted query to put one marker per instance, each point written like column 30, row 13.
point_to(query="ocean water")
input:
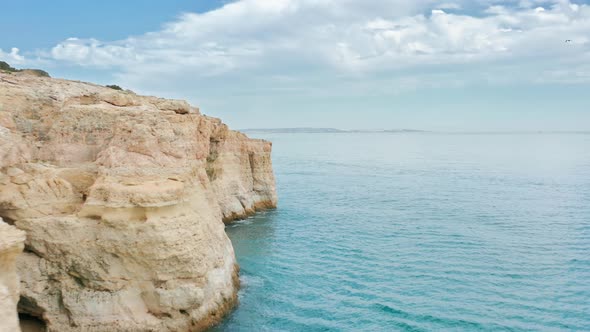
column 419, row 232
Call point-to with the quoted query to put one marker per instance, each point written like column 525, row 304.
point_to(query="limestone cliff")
column 122, row 199
column 11, row 245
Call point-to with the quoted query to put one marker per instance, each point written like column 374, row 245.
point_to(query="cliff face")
column 122, row 198
column 11, row 245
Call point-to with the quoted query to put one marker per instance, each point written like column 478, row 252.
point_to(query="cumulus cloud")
column 294, row 37
column 12, row 57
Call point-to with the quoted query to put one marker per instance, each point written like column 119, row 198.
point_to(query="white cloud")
column 12, row 57
column 449, row 5
column 342, row 37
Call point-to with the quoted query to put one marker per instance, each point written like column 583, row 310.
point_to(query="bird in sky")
column 568, row 40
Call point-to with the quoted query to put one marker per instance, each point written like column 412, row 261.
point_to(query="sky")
column 456, row 65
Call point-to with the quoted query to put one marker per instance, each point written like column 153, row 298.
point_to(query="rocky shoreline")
column 122, row 198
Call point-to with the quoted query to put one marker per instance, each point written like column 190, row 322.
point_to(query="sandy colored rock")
column 176, row 106
column 11, row 245
column 122, row 198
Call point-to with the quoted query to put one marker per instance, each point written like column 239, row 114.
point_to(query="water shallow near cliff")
column 419, row 232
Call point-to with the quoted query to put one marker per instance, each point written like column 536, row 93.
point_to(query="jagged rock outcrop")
column 12, row 242
column 122, row 199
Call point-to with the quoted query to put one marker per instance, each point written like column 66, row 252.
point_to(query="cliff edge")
column 122, row 199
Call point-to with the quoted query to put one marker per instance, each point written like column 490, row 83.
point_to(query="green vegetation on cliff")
column 114, row 87
column 6, row 68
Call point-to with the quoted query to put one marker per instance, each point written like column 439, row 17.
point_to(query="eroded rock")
column 11, row 245
column 122, row 198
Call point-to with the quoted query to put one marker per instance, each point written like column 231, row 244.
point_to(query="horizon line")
column 318, row 130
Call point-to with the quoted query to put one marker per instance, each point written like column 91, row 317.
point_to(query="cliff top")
column 6, row 68
column 87, row 93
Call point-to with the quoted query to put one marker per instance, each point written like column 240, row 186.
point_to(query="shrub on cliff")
column 114, row 87
column 5, row 67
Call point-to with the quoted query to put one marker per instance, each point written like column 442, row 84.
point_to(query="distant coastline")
column 306, row 130
column 326, row 130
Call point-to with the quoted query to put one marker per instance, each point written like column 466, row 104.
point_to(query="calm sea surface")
column 419, row 232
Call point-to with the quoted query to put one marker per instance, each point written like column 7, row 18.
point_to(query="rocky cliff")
column 122, row 199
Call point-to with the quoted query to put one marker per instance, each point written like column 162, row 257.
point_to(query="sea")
column 419, row 232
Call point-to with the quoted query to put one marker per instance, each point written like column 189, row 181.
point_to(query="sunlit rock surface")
column 122, row 199
column 11, row 245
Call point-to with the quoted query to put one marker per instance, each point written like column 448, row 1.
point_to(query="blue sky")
column 373, row 64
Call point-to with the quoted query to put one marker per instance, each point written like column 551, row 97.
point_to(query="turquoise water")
column 419, row 232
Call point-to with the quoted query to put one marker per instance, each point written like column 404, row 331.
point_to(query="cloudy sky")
column 367, row 64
